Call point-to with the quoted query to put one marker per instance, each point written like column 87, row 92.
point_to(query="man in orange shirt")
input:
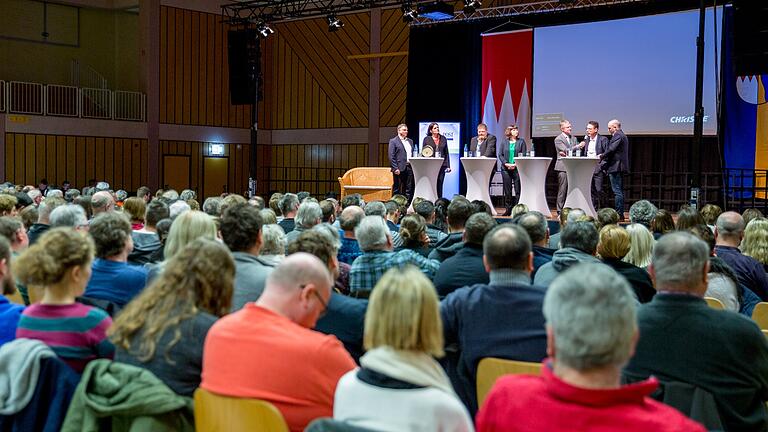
column 267, row 350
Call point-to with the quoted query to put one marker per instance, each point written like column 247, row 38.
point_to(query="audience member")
column 257, row 201
column 164, row 328
column 231, row 200
column 478, row 319
column 71, row 195
column 344, row 316
column 308, row 215
column 688, row 217
column 329, row 211
column 413, row 235
column 70, row 216
column 170, row 194
column 177, row 208
column 591, row 334
column 112, row 278
column 268, row 217
column 684, row 340
column 348, row 221
column 43, row 218
column 376, row 243
column 241, row 231
column 751, row 213
column 579, row 245
column 641, row 244
column 9, row 312
column 662, row 224
column 60, row 262
column 459, row 210
column 466, row 268
column 755, row 242
column 273, row 249
column 102, row 202
column 146, row 241
column 613, row 247
column 480, row 206
column 85, row 203
column 537, row 228
column 297, row 368
column 289, row 205
column 29, row 216
column 441, row 214
column 728, row 234
column 642, row 212
column 518, row 210
column 331, row 234
column 426, row 210
column 212, row 206
column 36, row 196
column 710, row 213
column 8, row 205
column 144, row 193
column 185, row 229
column 12, row 229
column 554, row 239
column 135, row 208
column 274, row 203
column 723, row 284
column 400, row 386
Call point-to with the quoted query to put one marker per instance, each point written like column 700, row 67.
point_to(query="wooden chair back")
column 760, row 315
column 714, row 303
column 216, row 413
column 490, row 369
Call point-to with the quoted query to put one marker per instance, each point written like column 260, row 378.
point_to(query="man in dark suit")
column 486, row 141
column 615, row 161
column 563, row 145
column 595, row 144
column 400, row 150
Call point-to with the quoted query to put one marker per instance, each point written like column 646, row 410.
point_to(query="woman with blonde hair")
column 60, row 263
column 135, row 208
column 413, row 231
column 164, row 327
column 613, row 246
column 755, row 242
column 641, row 244
column 186, row 228
column 400, row 386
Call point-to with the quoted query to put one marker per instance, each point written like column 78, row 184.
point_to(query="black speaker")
column 244, row 66
column 750, row 37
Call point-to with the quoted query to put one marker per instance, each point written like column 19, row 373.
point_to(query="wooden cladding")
column 120, row 161
column 194, row 76
column 394, row 70
column 198, row 152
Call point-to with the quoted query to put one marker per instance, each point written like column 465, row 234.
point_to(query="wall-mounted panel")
column 119, row 161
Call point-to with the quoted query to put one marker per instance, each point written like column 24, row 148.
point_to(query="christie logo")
column 685, row 119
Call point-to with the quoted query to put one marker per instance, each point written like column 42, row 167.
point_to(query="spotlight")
column 470, row 6
column 409, row 12
column 334, row 23
column 264, row 29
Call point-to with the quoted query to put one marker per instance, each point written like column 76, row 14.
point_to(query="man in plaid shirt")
column 376, row 243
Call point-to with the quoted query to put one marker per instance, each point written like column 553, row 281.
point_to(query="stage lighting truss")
column 334, row 23
column 409, row 12
column 470, row 6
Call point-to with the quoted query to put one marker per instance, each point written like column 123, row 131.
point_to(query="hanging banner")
column 507, row 83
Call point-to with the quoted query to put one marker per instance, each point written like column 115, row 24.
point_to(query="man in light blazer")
column 563, row 145
column 486, row 141
column 595, row 144
column 400, row 150
column 615, row 161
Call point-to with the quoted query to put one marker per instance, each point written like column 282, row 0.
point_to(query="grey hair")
column 288, row 203
column 54, row 193
column 535, row 225
column 642, row 212
column 212, row 206
column 330, row 233
column 121, row 195
column 71, row 195
column 372, row 233
column 171, row 195
column 616, row 122
column 678, row 261
column 641, row 243
column 575, row 214
column 730, row 224
column 68, row 216
column 376, row 208
column 178, row 208
column 273, row 238
column 34, row 193
column 100, row 200
column 188, row 194
column 592, row 312
column 580, row 235
column 102, row 186
column 309, row 214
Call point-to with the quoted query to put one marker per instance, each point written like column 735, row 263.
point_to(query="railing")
column 67, row 101
column 86, row 76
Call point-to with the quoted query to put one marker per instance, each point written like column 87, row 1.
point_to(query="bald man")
column 349, row 220
column 268, row 351
column 102, row 202
column 729, row 231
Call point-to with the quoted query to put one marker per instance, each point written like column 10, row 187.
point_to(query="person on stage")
column 564, row 143
column 615, row 161
column 401, row 148
column 438, row 144
column 512, row 146
column 595, row 144
column 484, row 143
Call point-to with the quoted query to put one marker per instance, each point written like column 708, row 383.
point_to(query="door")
column 176, row 172
column 215, row 176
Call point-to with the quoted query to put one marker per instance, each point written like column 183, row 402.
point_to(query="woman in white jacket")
column 400, row 386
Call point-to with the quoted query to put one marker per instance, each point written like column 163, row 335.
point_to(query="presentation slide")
column 641, row 71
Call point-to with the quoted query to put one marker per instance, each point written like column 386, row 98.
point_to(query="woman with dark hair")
column 163, row 329
column 441, row 214
column 512, row 146
column 435, row 143
column 688, row 217
column 413, row 231
column 662, row 223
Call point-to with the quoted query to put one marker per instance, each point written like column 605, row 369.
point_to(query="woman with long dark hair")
column 437, row 143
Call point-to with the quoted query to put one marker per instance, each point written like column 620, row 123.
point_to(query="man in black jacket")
column 615, row 161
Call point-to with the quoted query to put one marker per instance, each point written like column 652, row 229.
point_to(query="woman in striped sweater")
column 60, row 263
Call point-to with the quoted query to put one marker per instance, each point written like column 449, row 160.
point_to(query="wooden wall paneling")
column 144, row 161
column 394, row 70
column 109, row 162
column 210, row 69
column 98, row 161
column 50, row 160
column 61, row 158
column 8, row 156
column 186, row 54
column 170, row 61
column 20, row 142
column 39, row 160
column 163, row 89
column 179, row 67
column 71, row 158
column 29, row 153
column 219, row 69
column 195, row 66
column 81, row 174
column 117, row 155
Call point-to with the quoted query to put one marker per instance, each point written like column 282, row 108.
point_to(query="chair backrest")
column 760, row 315
column 15, row 298
column 714, row 303
column 490, row 369
column 216, row 413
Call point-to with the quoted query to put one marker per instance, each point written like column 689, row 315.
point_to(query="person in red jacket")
column 591, row 335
